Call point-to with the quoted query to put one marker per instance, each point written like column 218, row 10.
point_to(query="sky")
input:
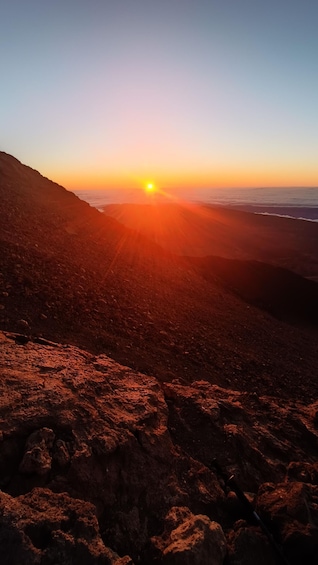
column 181, row 93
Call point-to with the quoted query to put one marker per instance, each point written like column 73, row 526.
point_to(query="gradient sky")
column 207, row 93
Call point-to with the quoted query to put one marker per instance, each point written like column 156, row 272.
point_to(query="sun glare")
column 149, row 187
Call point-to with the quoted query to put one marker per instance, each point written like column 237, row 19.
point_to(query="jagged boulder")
column 247, row 546
column 83, row 425
column 292, row 507
column 190, row 539
column 37, row 458
column 253, row 436
column 90, row 427
column 303, row 472
column 43, row 527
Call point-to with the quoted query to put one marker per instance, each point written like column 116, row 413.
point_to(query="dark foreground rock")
column 293, row 509
column 43, row 527
column 101, row 464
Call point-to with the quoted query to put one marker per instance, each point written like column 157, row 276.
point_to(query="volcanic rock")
column 247, row 546
column 292, row 508
column 190, row 540
column 75, row 423
column 37, row 458
column 44, row 527
column 97, row 430
column 255, row 435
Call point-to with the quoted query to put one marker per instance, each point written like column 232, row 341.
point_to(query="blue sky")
column 182, row 92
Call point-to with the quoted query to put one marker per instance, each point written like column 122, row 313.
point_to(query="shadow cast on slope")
column 282, row 293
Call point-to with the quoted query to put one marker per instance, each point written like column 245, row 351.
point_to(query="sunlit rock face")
column 102, row 464
column 75, row 423
column 190, row 540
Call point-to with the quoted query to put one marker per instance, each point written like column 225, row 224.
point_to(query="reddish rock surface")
column 107, row 435
column 43, row 527
column 190, row 540
column 293, row 509
column 97, row 430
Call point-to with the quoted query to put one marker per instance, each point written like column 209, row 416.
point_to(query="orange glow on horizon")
column 240, row 176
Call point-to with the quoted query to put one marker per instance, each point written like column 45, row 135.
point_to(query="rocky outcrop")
column 256, row 437
column 247, row 546
column 293, row 510
column 97, row 430
column 113, row 463
column 43, row 527
column 190, row 540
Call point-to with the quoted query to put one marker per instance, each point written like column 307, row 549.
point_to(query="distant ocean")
column 291, row 202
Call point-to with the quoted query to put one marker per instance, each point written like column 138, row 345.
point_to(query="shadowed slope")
column 284, row 294
column 238, row 238
column 71, row 274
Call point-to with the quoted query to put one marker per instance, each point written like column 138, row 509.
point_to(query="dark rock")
column 303, row 472
column 247, row 546
column 21, row 339
column 292, row 508
column 240, row 430
column 61, row 453
column 97, row 430
column 43, row 527
column 37, row 457
column 23, row 325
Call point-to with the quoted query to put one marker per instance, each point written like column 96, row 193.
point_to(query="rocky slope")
column 100, row 464
column 106, row 452
column 71, row 274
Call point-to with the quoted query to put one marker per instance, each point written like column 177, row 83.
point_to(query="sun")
column 149, row 187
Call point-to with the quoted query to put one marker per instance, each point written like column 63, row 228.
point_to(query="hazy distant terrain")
column 295, row 202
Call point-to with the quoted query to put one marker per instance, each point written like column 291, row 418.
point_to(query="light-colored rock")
column 190, row 539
